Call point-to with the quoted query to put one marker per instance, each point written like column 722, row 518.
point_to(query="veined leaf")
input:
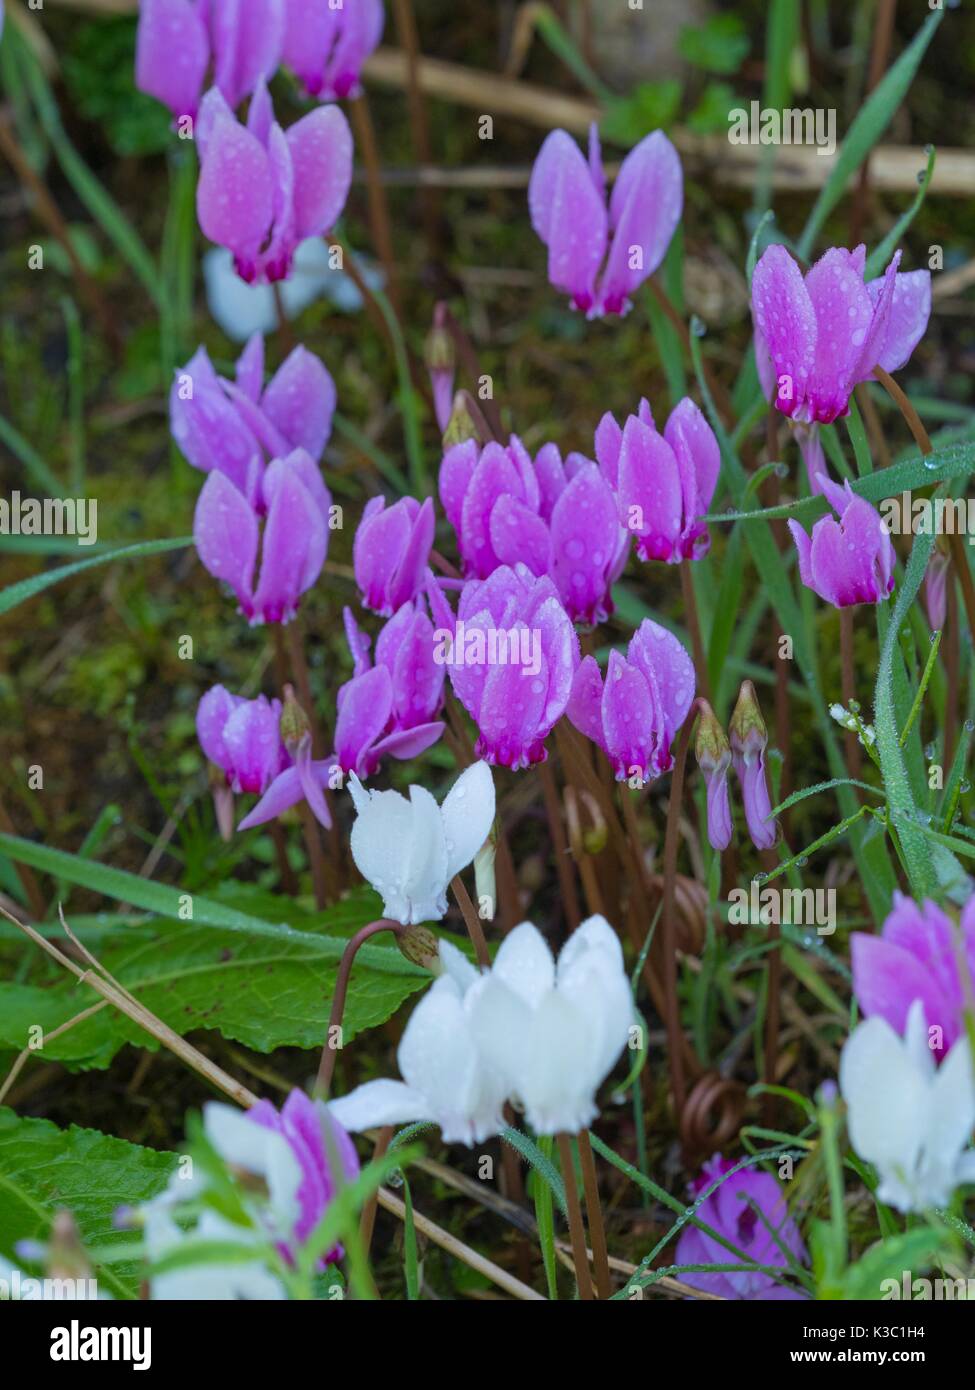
column 43, row 1168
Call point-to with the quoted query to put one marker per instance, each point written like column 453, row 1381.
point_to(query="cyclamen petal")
column 817, row 336
column 327, row 45
column 410, row 850
column 567, row 203
column 172, row 52
column 262, row 191
column 849, row 561
column 568, row 213
column 391, row 551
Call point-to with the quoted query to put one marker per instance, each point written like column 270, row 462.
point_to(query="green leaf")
column 43, row 1168
column 711, row 112
column 913, row 1250
column 24, row 589
column 650, row 106
column 720, row 45
column 882, row 252
column 261, row 993
column 868, row 126
column 917, row 853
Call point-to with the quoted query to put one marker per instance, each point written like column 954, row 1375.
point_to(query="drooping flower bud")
column 421, row 947
column 713, row 753
column 749, row 739
column 294, row 721
column 439, row 356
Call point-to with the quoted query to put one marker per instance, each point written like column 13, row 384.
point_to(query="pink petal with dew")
column 234, row 193
column 585, row 538
column 644, row 211
column 212, row 713
column 494, row 476
column 568, row 213
column 456, row 472
column 887, row 979
column 585, row 706
column 628, row 718
column 843, row 312
column 172, row 51
column 909, row 314
column 650, row 497
column 517, row 533
column 294, row 547
column 309, row 32
column 321, row 150
column 367, row 703
column 249, row 371
column 225, row 532
column 784, row 316
column 407, row 579
column 300, row 400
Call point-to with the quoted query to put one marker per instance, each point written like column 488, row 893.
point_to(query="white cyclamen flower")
column 907, row 1116
column 446, row 1078
column 410, row 850
column 553, row 1031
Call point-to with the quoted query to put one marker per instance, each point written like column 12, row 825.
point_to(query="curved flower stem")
column 471, row 920
column 577, row 1231
column 327, row 1065
column 597, row 1231
column 956, row 542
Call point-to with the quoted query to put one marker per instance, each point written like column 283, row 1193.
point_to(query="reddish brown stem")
column 594, row 1212
column 379, row 223
column 577, row 1231
column 368, row 1219
column 675, row 1036
column 560, row 847
column 471, row 920
column 326, row 1066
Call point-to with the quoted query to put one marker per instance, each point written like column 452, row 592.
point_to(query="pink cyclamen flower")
column 326, row 44
column 511, row 653
column 826, row 331
column 234, row 427
column 634, row 714
column 227, row 532
column 664, row 482
column 389, row 709
column 749, row 740
column 391, row 551
column 177, row 39
column 304, row 779
column 559, row 519
column 243, row 739
column 567, row 202
column 916, row 957
column 732, row 1210
column 325, row 1155
column 848, row 561
column 262, row 190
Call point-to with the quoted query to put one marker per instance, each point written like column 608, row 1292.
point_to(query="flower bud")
column 713, row 753
column 420, row 946
column 749, row 739
column 294, row 721
column 461, row 426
